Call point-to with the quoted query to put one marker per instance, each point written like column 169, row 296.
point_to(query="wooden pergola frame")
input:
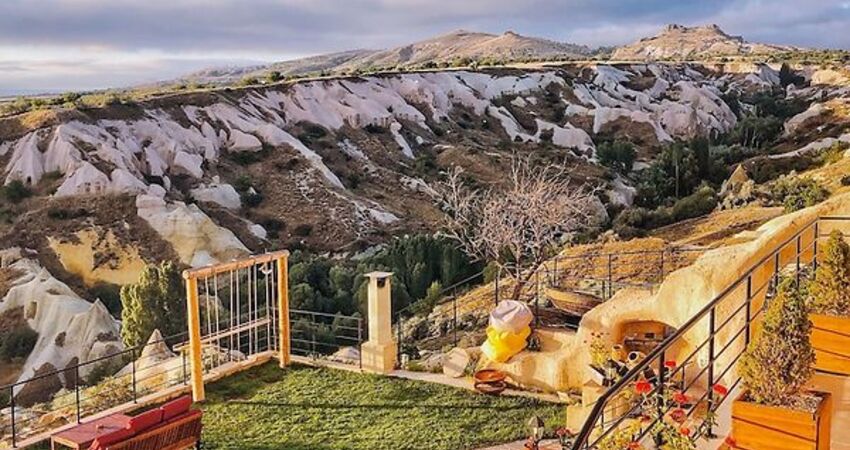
column 191, row 276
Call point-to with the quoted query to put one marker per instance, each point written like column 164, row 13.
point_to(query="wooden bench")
column 173, row 426
column 180, row 433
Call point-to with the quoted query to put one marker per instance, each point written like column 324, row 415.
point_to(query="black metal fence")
column 596, row 274
column 327, row 336
column 60, row 397
column 703, row 352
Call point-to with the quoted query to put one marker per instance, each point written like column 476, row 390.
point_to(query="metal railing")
column 727, row 322
column 88, row 388
column 600, row 274
column 320, row 335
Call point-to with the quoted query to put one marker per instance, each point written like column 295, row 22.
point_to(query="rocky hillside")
column 681, row 43
column 333, row 165
column 447, row 49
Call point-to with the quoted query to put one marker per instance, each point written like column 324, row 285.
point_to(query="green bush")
column 830, row 289
column 700, row 203
column 110, row 295
column 59, row 213
column 618, row 155
column 17, row 342
column 778, row 363
column 375, row 129
column 796, row 193
column 16, row 191
column 632, row 222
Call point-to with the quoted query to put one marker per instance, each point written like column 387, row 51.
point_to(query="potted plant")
column 774, row 411
column 829, row 302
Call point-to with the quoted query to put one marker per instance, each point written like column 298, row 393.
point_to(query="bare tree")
column 521, row 225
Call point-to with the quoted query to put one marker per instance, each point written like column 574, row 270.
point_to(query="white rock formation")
column 68, row 327
column 197, row 240
column 221, row 194
column 679, row 103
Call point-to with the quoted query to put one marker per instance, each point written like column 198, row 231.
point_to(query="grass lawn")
column 310, row 408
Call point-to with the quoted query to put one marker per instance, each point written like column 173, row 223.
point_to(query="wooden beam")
column 194, row 323
column 251, row 261
column 283, row 310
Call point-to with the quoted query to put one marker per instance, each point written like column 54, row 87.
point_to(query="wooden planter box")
column 759, row 427
column 831, row 341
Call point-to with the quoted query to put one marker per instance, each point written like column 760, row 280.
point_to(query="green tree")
column 830, row 289
column 154, row 302
column 618, row 155
column 778, row 363
column 17, row 343
column 787, row 76
column 274, row 76
column 16, row 191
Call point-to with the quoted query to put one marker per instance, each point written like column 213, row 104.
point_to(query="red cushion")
column 145, row 420
column 190, row 413
column 176, row 407
column 111, row 438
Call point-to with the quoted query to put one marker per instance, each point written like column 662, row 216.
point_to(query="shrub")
column 830, row 289
column 778, row 363
column 109, row 294
column 618, row 155
column 154, row 302
column 796, row 193
column 700, row 203
column 252, row 198
column 16, row 191
column 491, row 272
column 631, row 223
column 59, row 213
column 274, row 76
column 832, row 154
column 18, row 342
column 374, row 129
column 303, row 229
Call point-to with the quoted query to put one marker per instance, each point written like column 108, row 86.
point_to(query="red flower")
column 720, row 390
column 730, row 441
column 670, row 364
column 680, row 398
column 634, row 446
column 643, row 387
column 678, row 415
column 685, row 431
column 561, row 432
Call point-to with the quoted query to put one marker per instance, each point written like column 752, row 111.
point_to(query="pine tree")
column 830, row 289
column 778, row 363
column 156, row 301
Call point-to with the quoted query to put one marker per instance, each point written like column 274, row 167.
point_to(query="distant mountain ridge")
column 678, row 42
column 440, row 50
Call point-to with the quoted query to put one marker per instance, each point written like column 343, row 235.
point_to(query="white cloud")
column 80, row 44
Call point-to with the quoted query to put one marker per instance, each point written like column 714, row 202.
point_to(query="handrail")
column 583, row 437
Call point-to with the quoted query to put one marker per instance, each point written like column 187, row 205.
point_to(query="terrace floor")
column 304, row 407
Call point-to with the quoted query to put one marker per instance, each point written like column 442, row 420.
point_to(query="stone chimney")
column 379, row 352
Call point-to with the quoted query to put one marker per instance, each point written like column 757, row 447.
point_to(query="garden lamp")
column 536, row 429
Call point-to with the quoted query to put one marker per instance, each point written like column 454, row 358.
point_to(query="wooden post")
column 194, row 337
column 283, row 311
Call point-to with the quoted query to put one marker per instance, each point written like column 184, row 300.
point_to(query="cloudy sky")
column 57, row 45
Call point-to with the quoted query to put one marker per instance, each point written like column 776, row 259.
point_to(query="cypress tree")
column 830, row 289
column 156, row 301
column 778, row 363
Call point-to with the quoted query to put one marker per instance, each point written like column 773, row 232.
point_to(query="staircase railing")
column 708, row 346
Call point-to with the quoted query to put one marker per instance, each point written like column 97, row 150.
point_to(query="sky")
column 63, row 45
